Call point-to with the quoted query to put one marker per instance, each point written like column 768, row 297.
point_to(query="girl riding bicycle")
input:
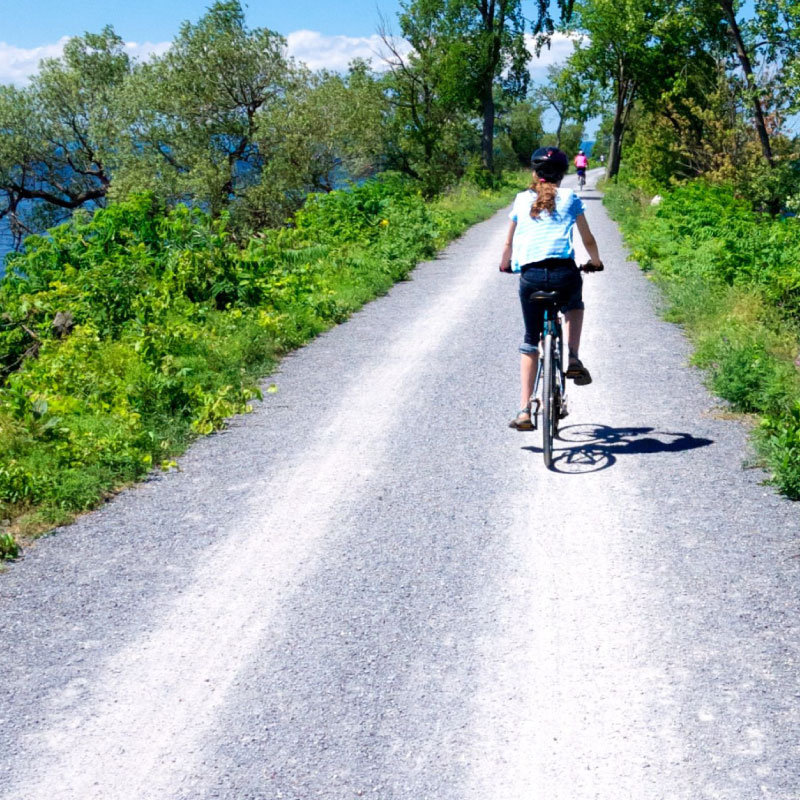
column 581, row 163
column 539, row 246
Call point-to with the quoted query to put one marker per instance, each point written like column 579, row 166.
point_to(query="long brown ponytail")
column 545, row 196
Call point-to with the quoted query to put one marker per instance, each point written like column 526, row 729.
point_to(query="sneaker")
column 522, row 422
column 578, row 372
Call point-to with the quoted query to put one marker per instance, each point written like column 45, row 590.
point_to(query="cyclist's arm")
column 587, row 237
column 505, row 259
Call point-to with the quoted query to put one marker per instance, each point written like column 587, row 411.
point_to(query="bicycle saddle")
column 546, row 296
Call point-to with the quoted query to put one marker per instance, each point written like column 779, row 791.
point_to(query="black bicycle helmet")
column 550, row 163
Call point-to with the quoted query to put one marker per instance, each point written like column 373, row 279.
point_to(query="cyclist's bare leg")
column 527, row 375
column 573, row 325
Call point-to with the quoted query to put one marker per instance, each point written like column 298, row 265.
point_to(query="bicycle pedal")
column 535, row 406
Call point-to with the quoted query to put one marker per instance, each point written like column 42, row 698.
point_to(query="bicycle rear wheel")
column 549, row 410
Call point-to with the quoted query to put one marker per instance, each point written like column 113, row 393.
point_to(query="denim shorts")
column 553, row 275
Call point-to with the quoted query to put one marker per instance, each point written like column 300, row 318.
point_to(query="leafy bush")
column 779, row 440
column 170, row 324
column 9, row 549
column 732, row 277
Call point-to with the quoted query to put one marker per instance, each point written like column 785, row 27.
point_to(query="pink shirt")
column 581, row 161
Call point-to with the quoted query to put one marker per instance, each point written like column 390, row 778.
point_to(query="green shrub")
column 779, row 439
column 732, row 277
column 174, row 322
column 9, row 549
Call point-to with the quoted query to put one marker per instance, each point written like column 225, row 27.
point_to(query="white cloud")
column 143, row 51
column 317, row 50
column 336, row 52
column 561, row 48
column 18, row 64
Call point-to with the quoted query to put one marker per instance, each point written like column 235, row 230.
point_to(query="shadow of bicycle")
column 591, row 448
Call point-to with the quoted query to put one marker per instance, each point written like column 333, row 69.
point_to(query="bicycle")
column 581, row 179
column 550, row 372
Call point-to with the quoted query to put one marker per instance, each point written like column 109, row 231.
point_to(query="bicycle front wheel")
column 549, row 410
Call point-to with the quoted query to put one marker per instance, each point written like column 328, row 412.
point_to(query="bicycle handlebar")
column 589, row 267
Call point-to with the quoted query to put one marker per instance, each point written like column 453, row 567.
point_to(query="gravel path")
column 371, row 587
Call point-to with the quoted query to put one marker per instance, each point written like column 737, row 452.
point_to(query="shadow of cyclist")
column 591, row 448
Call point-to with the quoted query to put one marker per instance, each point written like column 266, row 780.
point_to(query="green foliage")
column 639, row 51
column 9, row 549
column 779, row 439
column 58, row 131
column 731, row 276
column 568, row 139
column 457, row 209
column 428, row 135
column 325, row 127
column 523, row 125
column 189, row 118
column 470, row 54
column 174, row 322
column 573, row 98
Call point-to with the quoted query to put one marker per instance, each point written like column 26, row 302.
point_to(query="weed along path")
column 371, row 587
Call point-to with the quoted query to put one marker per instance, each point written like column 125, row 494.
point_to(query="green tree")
column 479, row 47
column 751, row 84
column 522, row 123
column 327, row 129
column 58, row 132
column 775, row 34
column 569, row 139
column 639, row 49
column 570, row 95
column 427, row 131
column 192, row 114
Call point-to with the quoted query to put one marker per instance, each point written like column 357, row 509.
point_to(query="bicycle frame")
column 553, row 327
column 553, row 401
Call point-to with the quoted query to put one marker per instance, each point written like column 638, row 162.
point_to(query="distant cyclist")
column 581, row 162
column 539, row 247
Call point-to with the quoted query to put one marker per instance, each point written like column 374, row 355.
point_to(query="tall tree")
column 775, row 33
column 424, row 90
column 522, row 122
column 572, row 97
column 58, row 131
column 481, row 47
column 638, row 49
column 752, row 90
column 192, row 114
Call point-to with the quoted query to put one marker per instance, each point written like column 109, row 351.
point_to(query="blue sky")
column 321, row 34
column 36, row 22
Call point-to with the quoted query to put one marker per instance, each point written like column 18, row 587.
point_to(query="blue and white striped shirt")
column 548, row 236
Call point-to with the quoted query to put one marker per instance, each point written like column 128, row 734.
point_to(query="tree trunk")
column 626, row 96
column 487, row 137
column 558, row 131
column 615, row 148
column 617, row 130
column 747, row 68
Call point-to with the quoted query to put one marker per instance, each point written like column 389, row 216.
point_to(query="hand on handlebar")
column 590, row 266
